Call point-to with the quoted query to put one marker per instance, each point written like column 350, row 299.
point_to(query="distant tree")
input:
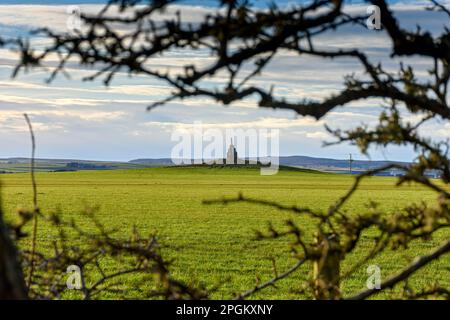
column 239, row 37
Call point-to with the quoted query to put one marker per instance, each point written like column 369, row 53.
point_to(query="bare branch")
column 418, row 263
column 272, row 281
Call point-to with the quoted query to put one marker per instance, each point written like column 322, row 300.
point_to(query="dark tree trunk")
column 12, row 285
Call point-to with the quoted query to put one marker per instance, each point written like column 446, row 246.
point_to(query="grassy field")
column 214, row 244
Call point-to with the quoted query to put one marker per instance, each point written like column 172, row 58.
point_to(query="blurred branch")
column 35, row 201
column 271, row 282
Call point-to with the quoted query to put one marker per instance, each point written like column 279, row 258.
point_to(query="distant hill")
column 243, row 166
column 11, row 165
column 159, row 161
column 323, row 164
column 329, row 164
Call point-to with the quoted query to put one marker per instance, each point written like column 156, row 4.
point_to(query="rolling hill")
column 11, row 165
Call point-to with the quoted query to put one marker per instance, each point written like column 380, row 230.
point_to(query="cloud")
column 57, row 16
column 54, row 119
column 317, row 135
column 55, row 102
column 262, row 123
column 67, row 112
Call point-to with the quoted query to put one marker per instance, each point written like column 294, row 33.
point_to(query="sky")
column 85, row 120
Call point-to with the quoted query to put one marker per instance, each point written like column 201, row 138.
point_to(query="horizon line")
column 161, row 158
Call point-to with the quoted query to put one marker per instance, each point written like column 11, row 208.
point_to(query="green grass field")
column 214, row 244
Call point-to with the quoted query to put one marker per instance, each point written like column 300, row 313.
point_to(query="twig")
column 35, row 202
column 272, row 281
column 32, row 164
column 276, row 205
column 418, row 263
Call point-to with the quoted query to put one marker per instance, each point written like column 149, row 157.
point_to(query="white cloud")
column 98, row 113
column 317, row 135
column 56, row 16
column 262, row 123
